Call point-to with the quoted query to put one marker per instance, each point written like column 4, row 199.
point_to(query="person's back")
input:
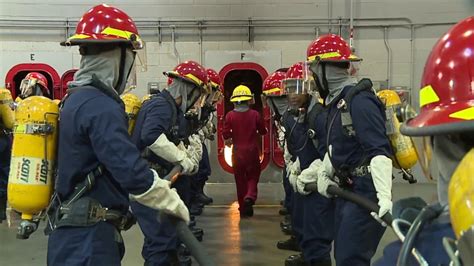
column 245, row 128
column 241, row 126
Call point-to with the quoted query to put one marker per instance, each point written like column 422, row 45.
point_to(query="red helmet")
column 32, row 79
column 330, row 47
column 189, row 71
column 272, row 84
column 40, row 79
column 298, row 79
column 214, row 79
column 447, row 88
column 105, row 24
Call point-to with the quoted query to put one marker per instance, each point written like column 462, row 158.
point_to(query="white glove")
column 325, row 173
column 196, row 144
column 308, row 175
column 293, row 173
column 161, row 197
column 381, row 171
column 287, row 157
column 281, row 135
column 167, row 150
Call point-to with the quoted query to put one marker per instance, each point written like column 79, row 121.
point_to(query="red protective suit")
column 243, row 128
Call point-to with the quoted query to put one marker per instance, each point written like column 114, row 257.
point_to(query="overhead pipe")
column 351, row 26
column 389, row 57
column 329, row 15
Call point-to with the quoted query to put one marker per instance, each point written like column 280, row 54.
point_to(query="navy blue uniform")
column 93, row 131
column 357, row 233
column 312, row 215
column 5, row 156
column 157, row 117
column 429, row 243
column 198, row 181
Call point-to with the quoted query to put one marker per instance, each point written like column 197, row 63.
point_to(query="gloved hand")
column 325, row 174
column 167, row 150
column 287, row 157
column 293, row 173
column 281, row 135
column 308, row 175
column 381, row 171
column 161, row 197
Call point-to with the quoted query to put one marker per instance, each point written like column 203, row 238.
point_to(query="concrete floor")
column 230, row 240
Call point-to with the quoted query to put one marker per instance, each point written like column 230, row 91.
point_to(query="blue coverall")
column 313, row 215
column 155, row 118
column 94, row 131
column 357, row 232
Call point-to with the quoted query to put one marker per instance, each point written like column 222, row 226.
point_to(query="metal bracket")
column 160, row 37
column 249, row 31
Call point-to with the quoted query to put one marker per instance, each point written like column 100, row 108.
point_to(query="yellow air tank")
column 6, row 112
column 57, row 101
column 30, row 182
column 132, row 106
column 403, row 148
column 146, row 97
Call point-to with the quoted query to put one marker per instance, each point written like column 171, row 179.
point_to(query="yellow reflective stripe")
column 466, row 114
column 120, row 33
column 194, row 78
column 324, row 56
column 428, row 95
column 214, row 84
column 21, row 129
column 79, row 36
column 271, row 90
column 353, row 57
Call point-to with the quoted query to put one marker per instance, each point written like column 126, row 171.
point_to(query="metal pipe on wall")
column 351, row 26
column 389, row 57
column 329, row 15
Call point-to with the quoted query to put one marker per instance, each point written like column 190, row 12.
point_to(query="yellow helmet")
column 241, row 93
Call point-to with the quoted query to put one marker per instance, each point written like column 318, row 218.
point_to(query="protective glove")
column 167, row 150
column 325, row 174
column 287, row 157
column 281, row 136
column 196, row 144
column 293, row 173
column 381, row 171
column 161, row 197
column 308, row 175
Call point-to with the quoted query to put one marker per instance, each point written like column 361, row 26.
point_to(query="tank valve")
column 26, row 228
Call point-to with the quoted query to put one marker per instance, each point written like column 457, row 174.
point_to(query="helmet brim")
column 241, row 99
column 439, row 121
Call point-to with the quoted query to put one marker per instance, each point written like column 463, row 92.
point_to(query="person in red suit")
column 241, row 128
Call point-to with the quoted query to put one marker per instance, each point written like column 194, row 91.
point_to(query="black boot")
column 286, row 222
column 295, row 260
column 202, row 198
column 3, row 208
column 287, row 229
column 289, row 244
column 195, row 209
column 248, row 207
column 283, row 211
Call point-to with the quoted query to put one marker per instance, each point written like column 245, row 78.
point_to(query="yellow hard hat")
column 241, row 93
column 389, row 97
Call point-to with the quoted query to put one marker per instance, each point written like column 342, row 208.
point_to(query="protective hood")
column 448, row 154
column 279, row 105
column 241, row 107
column 104, row 69
column 337, row 78
column 189, row 93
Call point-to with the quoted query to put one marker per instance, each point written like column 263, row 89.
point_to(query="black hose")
column 185, row 235
column 427, row 214
column 353, row 197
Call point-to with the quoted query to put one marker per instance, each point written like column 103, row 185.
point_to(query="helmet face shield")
column 298, row 86
column 27, row 87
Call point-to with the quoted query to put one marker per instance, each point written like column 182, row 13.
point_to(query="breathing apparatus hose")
column 183, row 232
column 427, row 214
column 353, row 197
